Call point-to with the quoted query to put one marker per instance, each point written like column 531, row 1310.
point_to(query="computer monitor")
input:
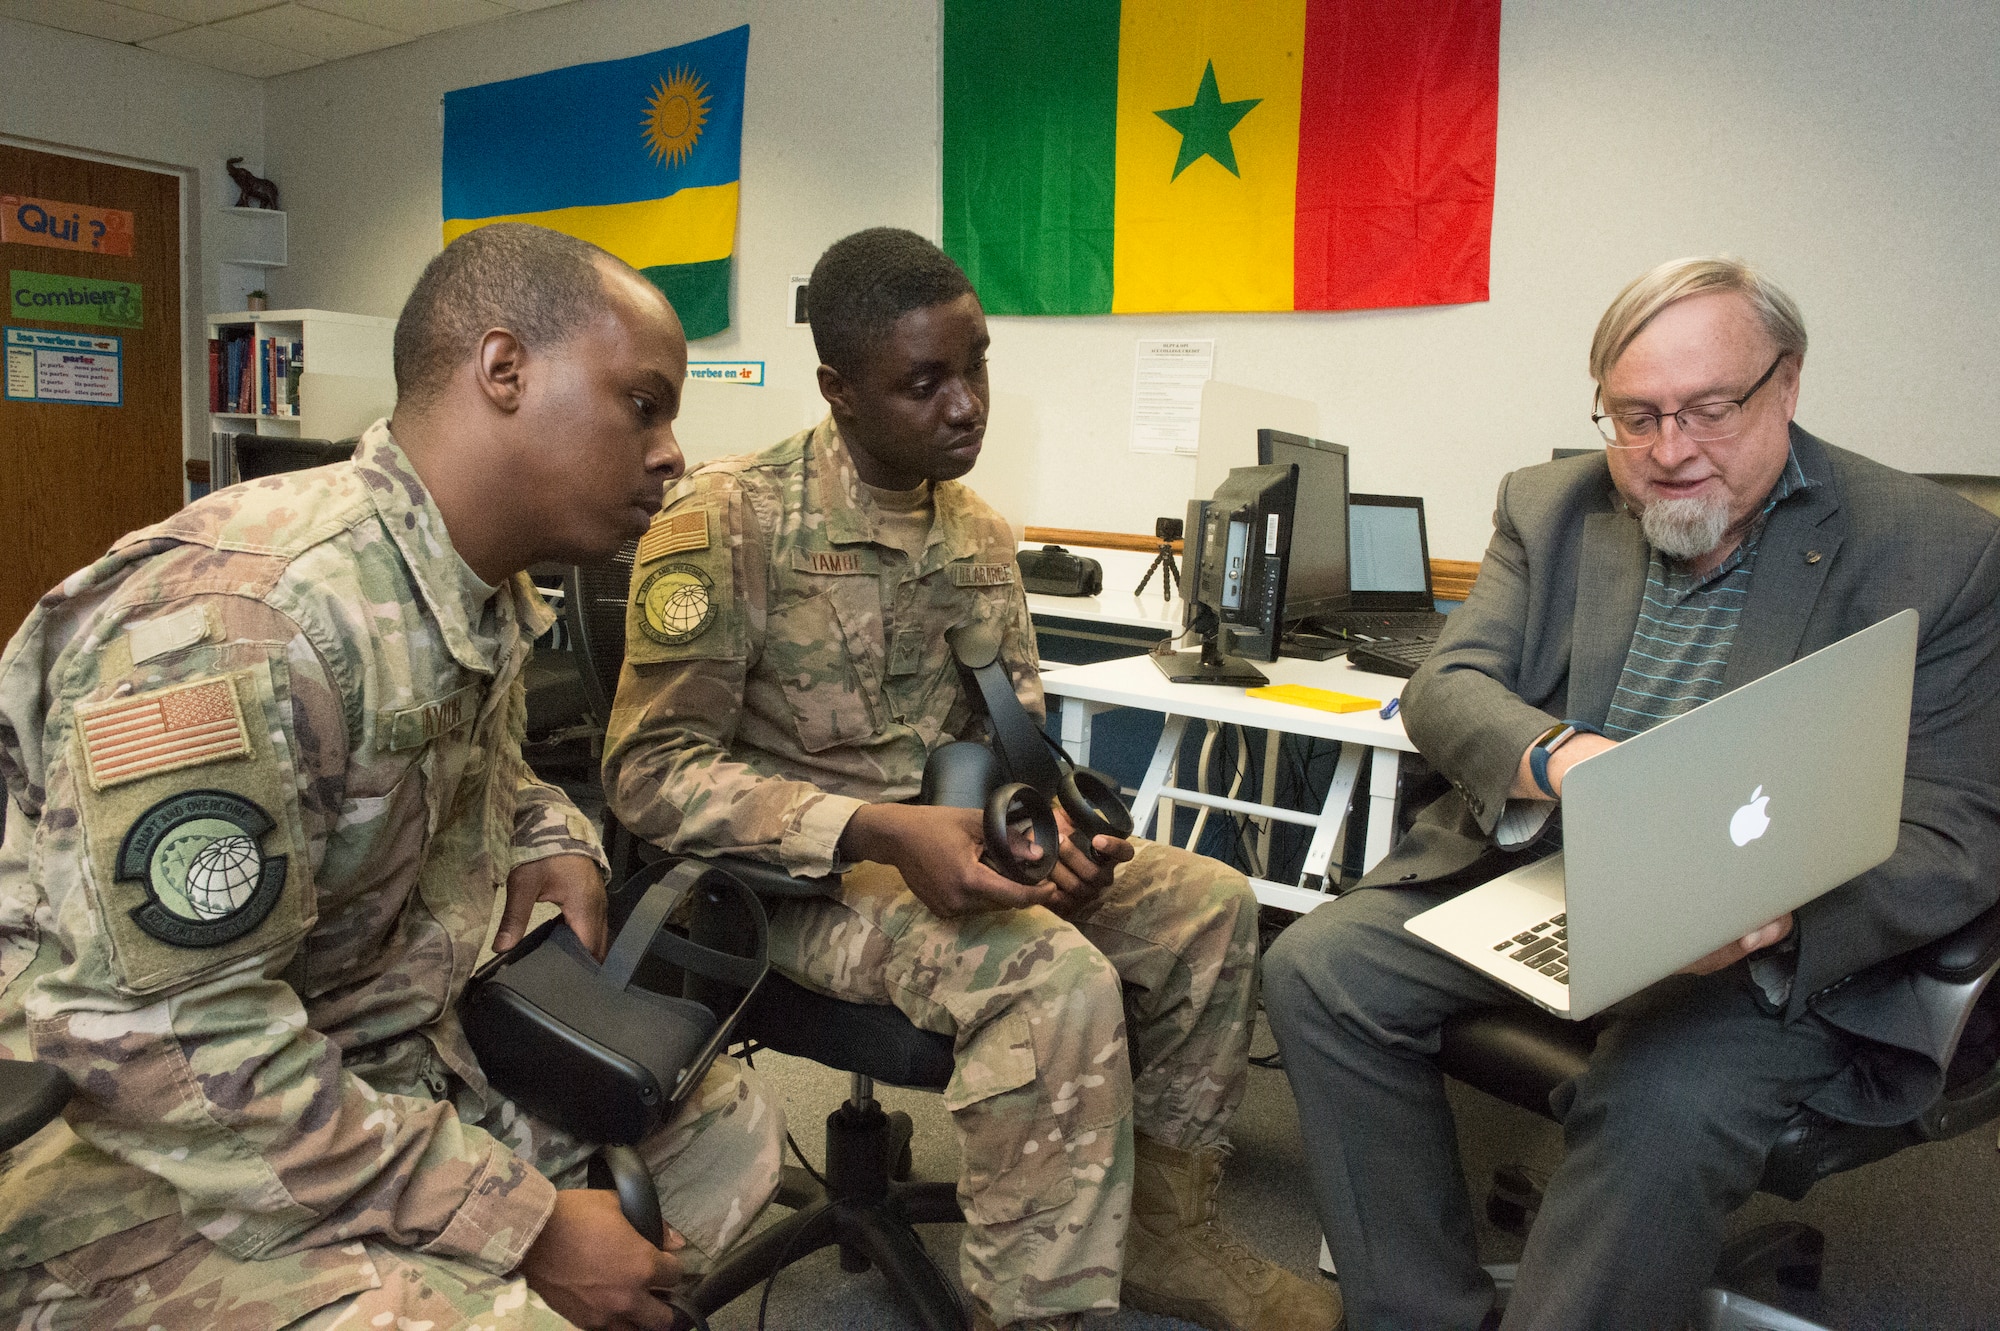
column 1389, row 553
column 1236, row 555
column 1317, row 574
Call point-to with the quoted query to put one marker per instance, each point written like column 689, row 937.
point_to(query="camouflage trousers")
column 715, row 1165
column 1068, row 1036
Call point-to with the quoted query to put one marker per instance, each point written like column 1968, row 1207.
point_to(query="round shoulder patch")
column 200, row 857
column 676, row 604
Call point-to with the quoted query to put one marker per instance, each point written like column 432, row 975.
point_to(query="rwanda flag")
column 640, row 156
column 1102, row 156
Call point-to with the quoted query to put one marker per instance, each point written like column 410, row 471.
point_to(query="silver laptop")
column 1689, row 836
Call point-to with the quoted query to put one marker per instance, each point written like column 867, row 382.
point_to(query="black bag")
column 1054, row 571
column 580, row 1046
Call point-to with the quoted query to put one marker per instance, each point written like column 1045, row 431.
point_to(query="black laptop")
column 1389, row 572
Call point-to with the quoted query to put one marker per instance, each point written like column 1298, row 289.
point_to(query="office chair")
column 1521, row 1055
column 31, row 1095
column 865, row 1203
column 1981, row 490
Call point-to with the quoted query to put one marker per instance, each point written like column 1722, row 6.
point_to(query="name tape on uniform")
column 412, row 727
column 982, row 575
column 829, row 561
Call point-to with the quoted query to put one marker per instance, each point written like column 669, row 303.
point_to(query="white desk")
column 1134, row 681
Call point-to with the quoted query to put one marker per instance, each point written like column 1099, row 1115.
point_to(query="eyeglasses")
column 1704, row 422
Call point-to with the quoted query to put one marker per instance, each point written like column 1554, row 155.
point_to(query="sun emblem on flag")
column 675, row 116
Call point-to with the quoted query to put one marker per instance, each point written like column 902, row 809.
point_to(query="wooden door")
column 75, row 477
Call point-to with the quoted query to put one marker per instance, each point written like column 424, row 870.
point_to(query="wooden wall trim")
column 1451, row 579
column 1102, row 540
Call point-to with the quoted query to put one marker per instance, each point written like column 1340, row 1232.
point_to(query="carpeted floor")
column 1912, row 1242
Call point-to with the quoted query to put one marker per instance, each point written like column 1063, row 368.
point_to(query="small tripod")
column 1167, row 531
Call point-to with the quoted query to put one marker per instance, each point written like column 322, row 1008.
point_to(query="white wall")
column 1849, row 146
column 60, row 91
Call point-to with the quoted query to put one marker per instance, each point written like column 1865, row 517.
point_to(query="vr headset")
column 1054, row 571
column 580, row 1045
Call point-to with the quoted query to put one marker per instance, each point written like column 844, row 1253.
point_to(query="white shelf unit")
column 347, row 379
column 252, row 237
column 249, row 243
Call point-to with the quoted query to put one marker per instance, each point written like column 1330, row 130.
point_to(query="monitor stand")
column 1209, row 666
column 1312, row 646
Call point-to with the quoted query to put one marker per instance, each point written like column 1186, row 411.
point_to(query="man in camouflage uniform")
column 786, row 676
column 264, row 779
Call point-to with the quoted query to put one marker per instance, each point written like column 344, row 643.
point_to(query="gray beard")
column 1685, row 529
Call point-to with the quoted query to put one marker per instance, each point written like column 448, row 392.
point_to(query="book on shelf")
column 229, row 384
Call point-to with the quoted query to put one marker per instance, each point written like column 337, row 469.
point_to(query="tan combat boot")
column 1180, row 1263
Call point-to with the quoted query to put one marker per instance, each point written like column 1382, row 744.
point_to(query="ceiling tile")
column 320, row 35
column 93, row 18
column 414, row 18
column 238, row 54
column 198, row 11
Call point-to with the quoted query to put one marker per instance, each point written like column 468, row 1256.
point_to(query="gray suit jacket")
column 1544, row 636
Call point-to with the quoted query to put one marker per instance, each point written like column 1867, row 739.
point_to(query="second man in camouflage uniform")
column 786, row 677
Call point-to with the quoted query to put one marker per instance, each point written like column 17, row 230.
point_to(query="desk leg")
column 1261, row 862
column 1381, row 807
column 1332, row 815
column 1076, row 715
column 1148, row 799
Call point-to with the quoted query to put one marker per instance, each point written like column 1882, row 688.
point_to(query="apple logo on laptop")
column 1749, row 822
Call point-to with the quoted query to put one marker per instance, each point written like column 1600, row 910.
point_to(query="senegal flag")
column 640, row 156
column 1149, row 155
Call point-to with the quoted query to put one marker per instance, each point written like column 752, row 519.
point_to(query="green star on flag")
column 1205, row 125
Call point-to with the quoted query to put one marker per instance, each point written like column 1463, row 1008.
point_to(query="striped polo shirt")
column 1687, row 625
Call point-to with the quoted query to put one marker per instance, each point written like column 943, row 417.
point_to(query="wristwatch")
column 1547, row 743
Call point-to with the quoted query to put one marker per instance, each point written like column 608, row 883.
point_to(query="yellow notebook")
column 1326, row 700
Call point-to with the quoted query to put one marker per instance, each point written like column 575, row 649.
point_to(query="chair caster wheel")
column 900, row 1129
column 1514, row 1198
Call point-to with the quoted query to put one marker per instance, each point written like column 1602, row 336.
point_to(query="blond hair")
column 1645, row 296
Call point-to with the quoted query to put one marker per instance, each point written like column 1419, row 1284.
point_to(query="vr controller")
column 966, row 775
column 1021, row 778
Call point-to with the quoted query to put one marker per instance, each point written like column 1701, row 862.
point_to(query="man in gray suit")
column 1711, row 543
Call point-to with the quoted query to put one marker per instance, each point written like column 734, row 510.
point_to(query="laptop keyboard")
column 1544, row 948
column 1403, row 624
column 1399, row 659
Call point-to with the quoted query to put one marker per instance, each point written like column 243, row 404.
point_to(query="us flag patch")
column 125, row 739
column 672, row 535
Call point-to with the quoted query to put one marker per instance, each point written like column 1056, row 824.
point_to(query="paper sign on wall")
column 65, row 226
column 749, row 372
column 1166, row 394
column 46, row 366
column 59, row 298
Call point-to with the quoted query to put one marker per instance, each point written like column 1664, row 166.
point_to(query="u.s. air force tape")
column 200, row 857
column 676, row 604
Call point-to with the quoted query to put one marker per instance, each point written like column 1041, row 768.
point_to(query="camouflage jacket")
column 784, row 667
column 264, row 781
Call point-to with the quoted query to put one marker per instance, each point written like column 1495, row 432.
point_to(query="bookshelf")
column 297, row 374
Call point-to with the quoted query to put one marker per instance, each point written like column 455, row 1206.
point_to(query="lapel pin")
column 1812, row 556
